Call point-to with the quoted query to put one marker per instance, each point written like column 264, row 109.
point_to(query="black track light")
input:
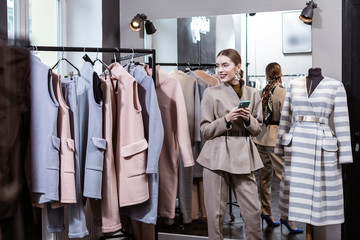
column 137, row 22
column 308, row 12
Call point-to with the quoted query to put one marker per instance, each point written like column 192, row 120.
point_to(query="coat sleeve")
column 342, row 126
column 285, row 123
column 197, row 133
column 210, row 126
column 256, row 116
column 156, row 132
column 182, row 131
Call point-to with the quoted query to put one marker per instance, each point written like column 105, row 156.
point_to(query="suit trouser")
column 216, row 187
column 272, row 164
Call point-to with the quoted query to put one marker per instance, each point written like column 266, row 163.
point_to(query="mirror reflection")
column 190, row 45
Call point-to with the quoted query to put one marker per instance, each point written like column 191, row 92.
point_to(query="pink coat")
column 176, row 137
column 67, row 148
column 130, row 142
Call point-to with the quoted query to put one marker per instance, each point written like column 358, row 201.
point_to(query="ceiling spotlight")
column 149, row 27
column 136, row 24
column 308, row 12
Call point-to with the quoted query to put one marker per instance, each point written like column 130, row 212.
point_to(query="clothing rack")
column 285, row 75
column 188, row 64
column 134, row 54
column 192, row 66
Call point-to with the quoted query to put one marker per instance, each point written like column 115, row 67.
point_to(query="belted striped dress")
column 311, row 188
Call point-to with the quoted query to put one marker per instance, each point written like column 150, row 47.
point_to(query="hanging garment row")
column 114, row 156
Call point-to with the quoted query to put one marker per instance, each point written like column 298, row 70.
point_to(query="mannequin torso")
column 313, row 79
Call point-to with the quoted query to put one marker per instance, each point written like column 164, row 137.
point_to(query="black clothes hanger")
column 106, row 66
column 88, row 59
column 64, row 59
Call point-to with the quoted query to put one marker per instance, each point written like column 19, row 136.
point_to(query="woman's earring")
column 237, row 76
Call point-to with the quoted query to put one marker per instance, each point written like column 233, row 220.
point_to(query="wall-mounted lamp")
column 308, row 12
column 136, row 22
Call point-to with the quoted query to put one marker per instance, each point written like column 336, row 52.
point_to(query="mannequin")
column 313, row 79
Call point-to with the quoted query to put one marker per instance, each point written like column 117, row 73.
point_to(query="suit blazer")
column 267, row 136
column 237, row 155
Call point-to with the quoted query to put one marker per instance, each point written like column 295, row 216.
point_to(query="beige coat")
column 267, row 137
column 237, row 155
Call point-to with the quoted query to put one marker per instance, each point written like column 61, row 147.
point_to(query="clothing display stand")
column 134, row 54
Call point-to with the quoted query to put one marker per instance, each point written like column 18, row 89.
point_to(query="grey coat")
column 237, row 155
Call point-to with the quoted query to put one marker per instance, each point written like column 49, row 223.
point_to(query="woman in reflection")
column 272, row 100
column 229, row 155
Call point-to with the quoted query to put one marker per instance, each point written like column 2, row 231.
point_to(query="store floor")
column 197, row 229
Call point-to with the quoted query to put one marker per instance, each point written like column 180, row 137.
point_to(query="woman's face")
column 226, row 69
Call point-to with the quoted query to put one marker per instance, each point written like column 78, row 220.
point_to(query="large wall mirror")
column 260, row 38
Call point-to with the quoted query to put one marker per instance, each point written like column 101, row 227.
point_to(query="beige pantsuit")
column 229, row 156
column 216, row 186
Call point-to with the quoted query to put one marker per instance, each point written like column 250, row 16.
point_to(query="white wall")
column 165, row 41
column 81, row 27
column 265, row 46
column 158, row 9
column 327, row 44
column 225, row 32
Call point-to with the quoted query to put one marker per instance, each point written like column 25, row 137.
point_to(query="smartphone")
column 244, row 104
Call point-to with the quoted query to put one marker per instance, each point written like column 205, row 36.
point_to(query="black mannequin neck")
column 313, row 79
column 315, row 74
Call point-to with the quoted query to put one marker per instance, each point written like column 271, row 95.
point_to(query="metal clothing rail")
column 135, row 51
column 188, row 64
column 285, row 75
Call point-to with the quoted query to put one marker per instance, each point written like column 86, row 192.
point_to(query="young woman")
column 229, row 156
column 272, row 101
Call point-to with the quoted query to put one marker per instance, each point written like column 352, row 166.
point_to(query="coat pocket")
column 330, row 144
column 94, row 167
column 54, row 150
column 287, row 143
column 52, row 169
column 134, row 158
column 329, row 147
column 69, row 165
column 95, row 153
column 287, row 139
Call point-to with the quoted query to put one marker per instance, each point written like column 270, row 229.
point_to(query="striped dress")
column 311, row 188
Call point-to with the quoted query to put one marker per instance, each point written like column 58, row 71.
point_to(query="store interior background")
column 85, row 23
